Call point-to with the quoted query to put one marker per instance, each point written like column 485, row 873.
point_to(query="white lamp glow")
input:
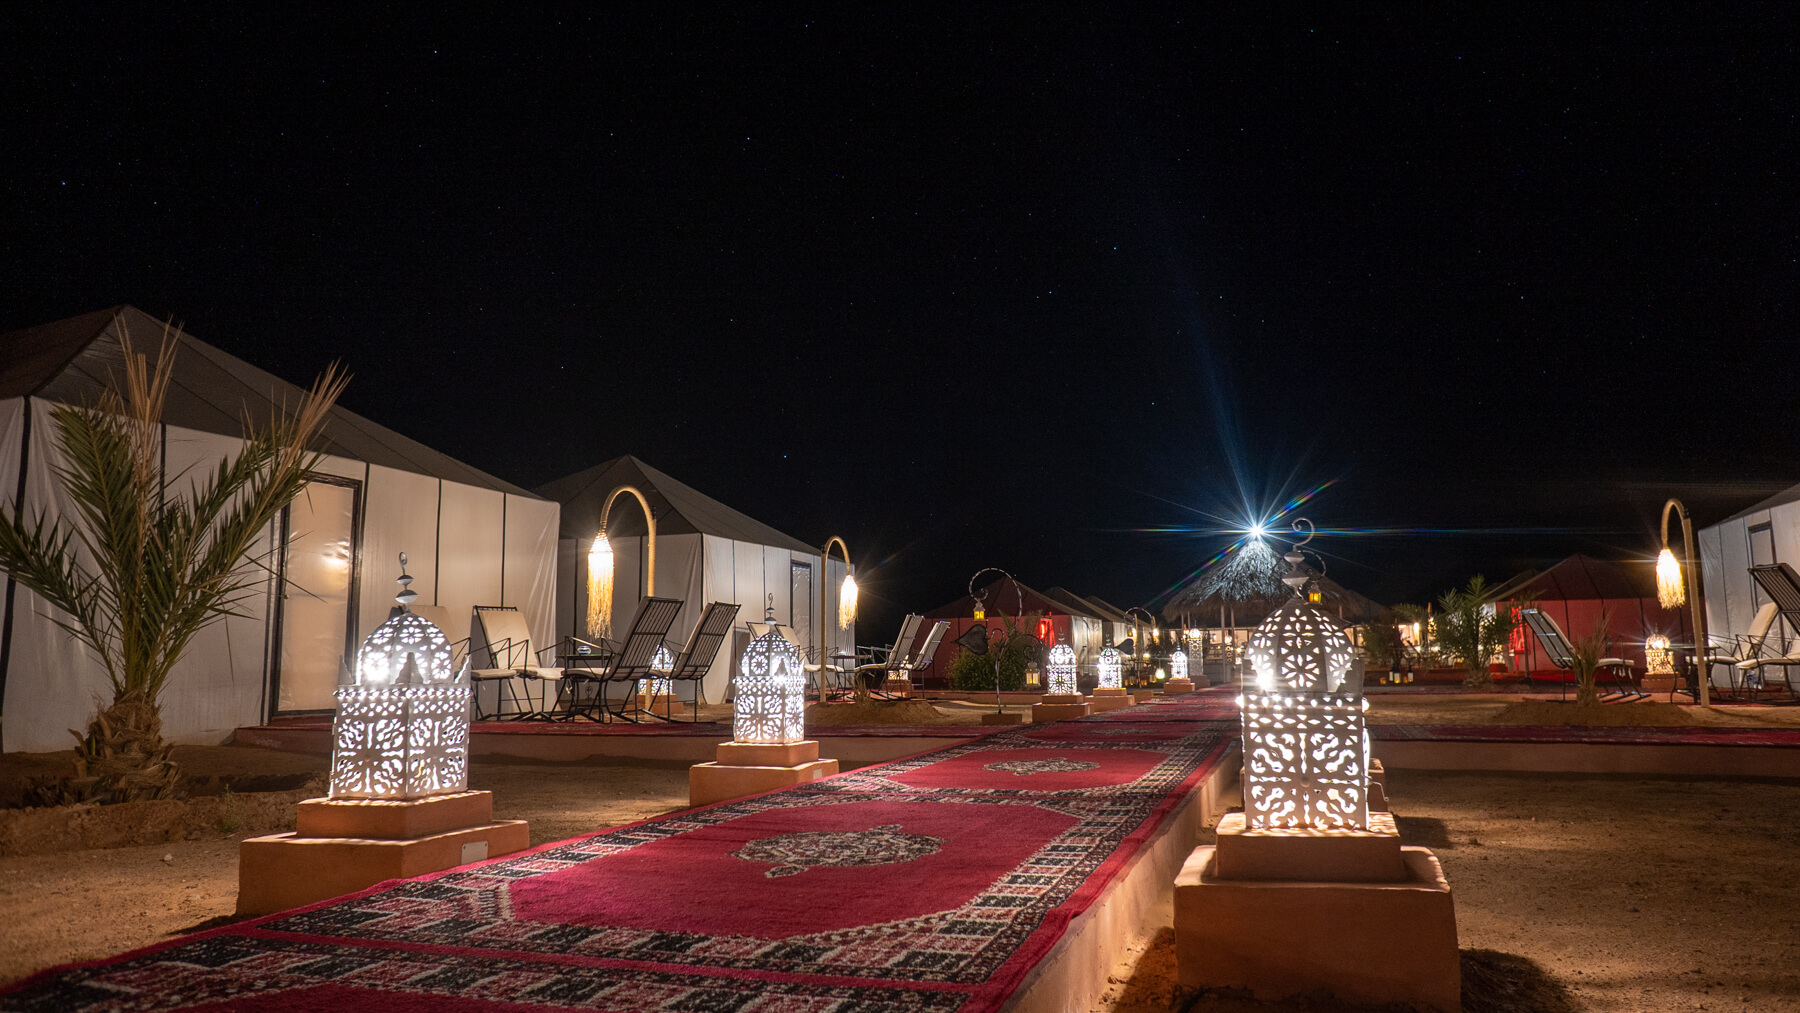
column 847, row 603
column 600, row 588
column 1111, row 668
column 770, row 706
column 1059, row 671
column 402, row 726
column 1659, row 659
column 662, row 663
column 1178, row 664
column 1669, row 590
column 1306, row 750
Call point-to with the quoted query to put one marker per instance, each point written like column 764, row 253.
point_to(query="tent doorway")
column 317, row 575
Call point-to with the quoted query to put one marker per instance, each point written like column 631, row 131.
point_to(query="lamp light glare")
column 847, row 603
column 1059, row 672
column 1111, row 669
column 1669, row 590
column 1659, row 659
column 600, row 588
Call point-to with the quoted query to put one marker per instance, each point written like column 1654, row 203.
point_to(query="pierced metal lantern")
column 1178, row 664
column 402, row 725
column 662, row 662
column 1306, row 750
column 769, row 706
column 1059, row 672
column 1659, row 657
column 1111, row 669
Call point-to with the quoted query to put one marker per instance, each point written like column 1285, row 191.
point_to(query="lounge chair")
column 1782, row 585
column 626, row 663
column 1557, row 647
column 899, row 663
column 696, row 658
column 1744, row 650
column 507, row 641
column 893, row 658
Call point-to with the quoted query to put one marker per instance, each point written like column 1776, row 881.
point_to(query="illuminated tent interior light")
column 1059, row 672
column 1306, row 752
column 1178, row 664
column 600, row 588
column 1669, row 590
column 402, row 725
column 770, row 704
column 661, row 663
column 1111, row 668
column 1659, row 659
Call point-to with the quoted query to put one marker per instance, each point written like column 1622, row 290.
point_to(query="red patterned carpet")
column 933, row 883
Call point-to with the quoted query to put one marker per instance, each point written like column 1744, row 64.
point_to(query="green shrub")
column 1013, row 647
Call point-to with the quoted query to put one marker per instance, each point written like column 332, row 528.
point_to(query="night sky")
column 1023, row 291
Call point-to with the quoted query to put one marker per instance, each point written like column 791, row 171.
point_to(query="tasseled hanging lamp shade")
column 1669, row 590
column 847, row 603
column 600, row 588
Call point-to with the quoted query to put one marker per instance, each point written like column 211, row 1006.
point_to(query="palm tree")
column 142, row 565
column 1474, row 627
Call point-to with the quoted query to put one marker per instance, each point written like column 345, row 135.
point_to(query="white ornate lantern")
column 1306, row 751
column 769, row 707
column 1178, row 664
column 1659, row 658
column 1059, row 672
column 1111, row 668
column 402, row 725
column 662, row 662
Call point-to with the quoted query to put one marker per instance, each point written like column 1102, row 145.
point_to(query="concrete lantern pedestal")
column 342, row 845
column 1177, row 687
column 1105, row 699
column 1290, row 911
column 1003, row 718
column 1060, row 707
column 743, row 768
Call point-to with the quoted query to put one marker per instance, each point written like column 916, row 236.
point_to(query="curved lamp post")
column 1671, row 593
column 600, row 565
column 846, row 602
column 980, row 603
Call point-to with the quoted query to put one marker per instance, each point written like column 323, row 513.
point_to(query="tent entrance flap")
column 318, row 580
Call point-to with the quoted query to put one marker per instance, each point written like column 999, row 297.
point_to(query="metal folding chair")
column 507, row 641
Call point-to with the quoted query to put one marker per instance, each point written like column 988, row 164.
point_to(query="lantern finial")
column 407, row 595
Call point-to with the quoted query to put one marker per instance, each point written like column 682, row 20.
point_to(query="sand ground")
column 1626, row 894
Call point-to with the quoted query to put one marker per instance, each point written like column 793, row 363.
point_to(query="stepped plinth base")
column 1286, row 912
column 1109, row 699
column 1003, row 718
column 743, row 768
column 341, row 846
column 1060, row 707
column 1177, row 687
column 1140, row 695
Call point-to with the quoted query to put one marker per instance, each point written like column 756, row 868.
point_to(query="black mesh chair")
column 632, row 657
column 696, row 659
column 1562, row 655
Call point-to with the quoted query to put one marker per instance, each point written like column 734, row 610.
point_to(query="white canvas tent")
column 1768, row 532
column 705, row 552
column 470, row 539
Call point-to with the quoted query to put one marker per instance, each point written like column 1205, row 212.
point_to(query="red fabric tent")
column 1578, row 591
